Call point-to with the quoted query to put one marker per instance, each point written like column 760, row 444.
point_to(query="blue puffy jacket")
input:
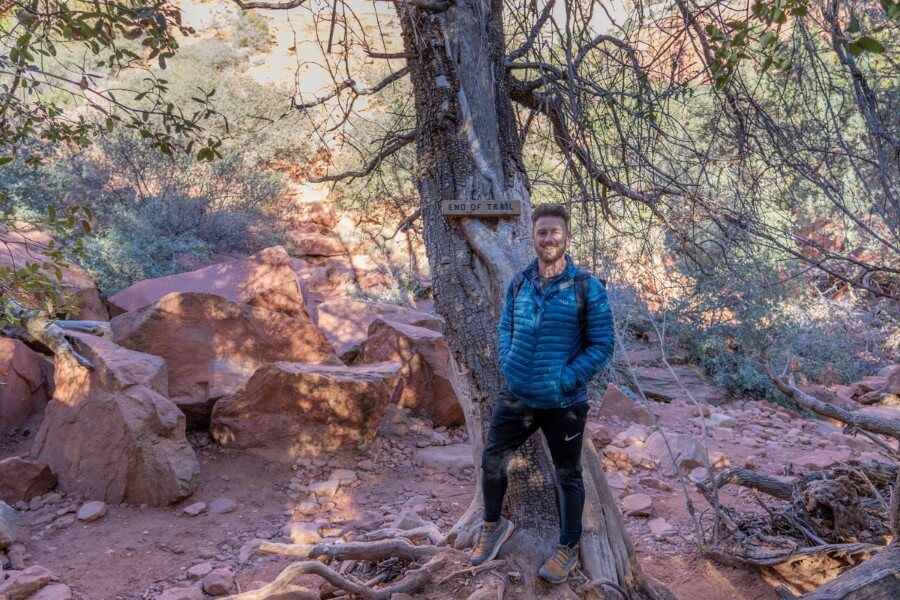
column 543, row 356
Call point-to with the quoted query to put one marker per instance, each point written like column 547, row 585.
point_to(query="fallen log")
column 859, row 420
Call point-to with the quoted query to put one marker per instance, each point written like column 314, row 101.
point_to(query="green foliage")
column 767, row 34
column 734, row 328
column 33, row 277
column 162, row 209
column 57, row 59
column 153, row 213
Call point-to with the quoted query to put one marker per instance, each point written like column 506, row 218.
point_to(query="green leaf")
column 853, row 26
column 5, row 159
column 869, row 44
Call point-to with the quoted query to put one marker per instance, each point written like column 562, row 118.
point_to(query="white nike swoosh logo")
column 569, row 439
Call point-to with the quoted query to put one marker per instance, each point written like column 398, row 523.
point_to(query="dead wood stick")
column 413, row 581
column 373, row 551
column 874, row 439
column 861, row 420
column 470, row 571
column 45, row 330
column 374, row 581
column 895, row 509
column 753, row 480
column 873, row 579
column 769, row 559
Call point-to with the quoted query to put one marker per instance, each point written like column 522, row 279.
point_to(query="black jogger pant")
column 512, row 423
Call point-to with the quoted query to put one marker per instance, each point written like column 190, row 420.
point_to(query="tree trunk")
column 468, row 149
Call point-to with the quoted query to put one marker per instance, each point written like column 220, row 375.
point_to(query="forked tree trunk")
column 468, row 149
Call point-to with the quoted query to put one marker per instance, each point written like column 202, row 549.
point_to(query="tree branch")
column 861, row 420
column 270, row 5
column 352, row 85
column 390, row 148
column 532, row 35
column 433, row 6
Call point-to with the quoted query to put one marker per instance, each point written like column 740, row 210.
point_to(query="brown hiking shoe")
column 557, row 569
column 493, row 535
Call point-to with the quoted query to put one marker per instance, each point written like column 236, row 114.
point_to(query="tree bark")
column 468, row 149
column 876, row 579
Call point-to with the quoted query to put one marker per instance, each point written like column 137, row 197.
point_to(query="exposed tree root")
column 472, row 571
column 414, row 580
column 371, row 551
column 426, row 532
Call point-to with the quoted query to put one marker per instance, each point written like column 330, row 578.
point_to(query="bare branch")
column 389, row 148
column 270, row 5
column 353, row 86
column 532, row 35
column 433, row 6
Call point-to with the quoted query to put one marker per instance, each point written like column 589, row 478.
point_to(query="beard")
column 550, row 253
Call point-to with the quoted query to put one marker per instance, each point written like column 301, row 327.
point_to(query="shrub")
column 152, row 211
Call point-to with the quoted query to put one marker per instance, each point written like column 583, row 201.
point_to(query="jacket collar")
column 531, row 271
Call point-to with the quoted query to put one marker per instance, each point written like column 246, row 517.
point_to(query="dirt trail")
column 136, row 552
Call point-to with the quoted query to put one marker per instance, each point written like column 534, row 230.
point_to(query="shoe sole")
column 549, row 579
column 499, row 544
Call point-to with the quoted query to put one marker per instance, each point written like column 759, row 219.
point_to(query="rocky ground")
column 412, row 474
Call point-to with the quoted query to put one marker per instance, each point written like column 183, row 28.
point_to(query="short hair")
column 551, row 209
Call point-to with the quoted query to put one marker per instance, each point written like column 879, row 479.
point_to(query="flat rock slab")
column 617, row 405
column 195, row 509
column 54, row 591
column 346, row 322
column 20, row 585
column 637, row 505
column 658, row 383
column 92, row 511
column 222, row 506
column 455, row 458
column 182, row 593
column 266, row 280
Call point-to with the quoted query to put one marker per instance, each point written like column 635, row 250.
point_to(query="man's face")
column 550, row 239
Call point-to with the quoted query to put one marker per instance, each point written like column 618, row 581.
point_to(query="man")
column 556, row 332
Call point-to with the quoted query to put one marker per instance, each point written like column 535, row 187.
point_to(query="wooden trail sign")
column 481, row 208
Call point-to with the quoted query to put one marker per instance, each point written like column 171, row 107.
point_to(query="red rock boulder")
column 111, row 434
column 266, row 280
column 21, row 248
column 22, row 479
column 346, row 322
column 212, row 345
column 309, row 409
column 617, row 405
column 425, row 382
column 23, row 386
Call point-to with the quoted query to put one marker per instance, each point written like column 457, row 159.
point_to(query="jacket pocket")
column 567, row 379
